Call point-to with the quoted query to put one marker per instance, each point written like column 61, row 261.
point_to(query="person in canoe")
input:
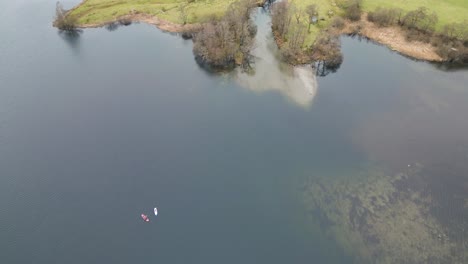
column 145, row 217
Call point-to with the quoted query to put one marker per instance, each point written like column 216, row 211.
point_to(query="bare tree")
column 430, row 22
column 353, row 10
column 327, row 49
column 412, row 18
column 385, row 16
column 296, row 11
column 227, row 42
column 281, row 18
column 450, row 30
column 297, row 37
column 63, row 20
column 338, row 22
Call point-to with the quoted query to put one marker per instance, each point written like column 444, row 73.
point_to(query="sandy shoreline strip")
column 394, row 38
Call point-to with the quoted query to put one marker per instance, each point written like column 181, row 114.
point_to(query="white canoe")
column 155, row 211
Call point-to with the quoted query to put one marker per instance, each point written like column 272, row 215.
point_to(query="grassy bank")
column 103, row 11
column 448, row 11
column 170, row 14
column 423, row 29
column 323, row 9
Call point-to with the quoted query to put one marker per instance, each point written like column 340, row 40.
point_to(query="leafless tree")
column 63, row 20
column 227, row 42
column 385, row 16
column 281, row 18
column 327, row 48
column 296, row 12
column 353, row 10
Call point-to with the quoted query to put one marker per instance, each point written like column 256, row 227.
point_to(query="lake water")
column 98, row 128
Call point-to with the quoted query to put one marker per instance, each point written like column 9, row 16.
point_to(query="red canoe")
column 145, row 217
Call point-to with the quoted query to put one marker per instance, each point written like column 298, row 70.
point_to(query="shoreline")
column 391, row 37
column 162, row 24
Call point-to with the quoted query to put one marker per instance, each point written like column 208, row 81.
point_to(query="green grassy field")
column 102, row 11
column 448, row 11
column 324, row 6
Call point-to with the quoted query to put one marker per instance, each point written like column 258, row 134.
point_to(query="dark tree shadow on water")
column 112, row 26
column 324, row 68
column 449, row 67
column 211, row 70
column 72, row 38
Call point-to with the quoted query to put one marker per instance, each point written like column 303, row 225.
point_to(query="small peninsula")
column 306, row 31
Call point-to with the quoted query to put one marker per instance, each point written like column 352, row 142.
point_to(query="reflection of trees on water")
column 323, row 68
column 112, row 26
column 264, row 70
column 450, row 67
column 267, row 4
column 71, row 37
column 123, row 21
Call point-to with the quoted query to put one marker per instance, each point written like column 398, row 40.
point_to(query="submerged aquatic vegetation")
column 376, row 220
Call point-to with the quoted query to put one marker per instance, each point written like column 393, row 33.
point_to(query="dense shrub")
column 420, row 19
column 353, row 10
column 456, row 31
column 124, row 21
column 454, row 51
column 417, row 35
column 385, row 16
column 356, row 28
column 338, row 22
column 451, row 46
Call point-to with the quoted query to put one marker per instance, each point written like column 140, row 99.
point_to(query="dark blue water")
column 99, row 128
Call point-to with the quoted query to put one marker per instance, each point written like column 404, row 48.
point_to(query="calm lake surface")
column 98, row 128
